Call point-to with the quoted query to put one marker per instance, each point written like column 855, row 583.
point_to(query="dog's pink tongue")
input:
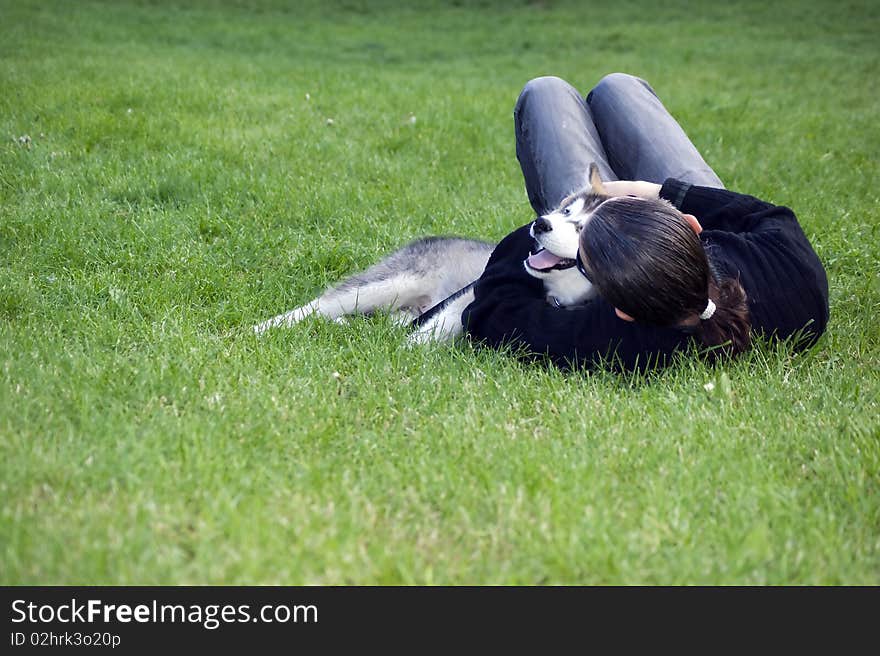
column 543, row 260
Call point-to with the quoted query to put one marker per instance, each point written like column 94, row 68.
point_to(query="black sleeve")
column 510, row 308
column 728, row 211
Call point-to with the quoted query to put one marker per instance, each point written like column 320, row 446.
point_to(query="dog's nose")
column 542, row 225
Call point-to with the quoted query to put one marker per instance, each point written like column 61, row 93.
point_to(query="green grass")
column 182, row 183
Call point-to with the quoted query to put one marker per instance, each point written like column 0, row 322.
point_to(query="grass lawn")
column 172, row 173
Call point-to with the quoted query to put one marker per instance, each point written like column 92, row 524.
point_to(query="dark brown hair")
column 646, row 260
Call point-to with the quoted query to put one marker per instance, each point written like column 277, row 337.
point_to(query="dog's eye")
column 573, row 207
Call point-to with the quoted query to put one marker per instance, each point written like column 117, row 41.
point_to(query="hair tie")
column 709, row 311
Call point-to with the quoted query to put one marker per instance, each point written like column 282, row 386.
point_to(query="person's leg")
column 555, row 142
column 642, row 140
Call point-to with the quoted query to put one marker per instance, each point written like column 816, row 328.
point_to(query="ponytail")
column 727, row 332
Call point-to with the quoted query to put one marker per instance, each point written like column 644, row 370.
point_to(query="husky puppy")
column 556, row 238
column 439, row 273
column 408, row 282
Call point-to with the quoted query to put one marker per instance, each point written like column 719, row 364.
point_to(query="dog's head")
column 556, row 238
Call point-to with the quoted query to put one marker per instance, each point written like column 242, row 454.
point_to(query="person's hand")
column 638, row 188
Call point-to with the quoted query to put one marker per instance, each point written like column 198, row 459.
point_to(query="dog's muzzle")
column 540, row 225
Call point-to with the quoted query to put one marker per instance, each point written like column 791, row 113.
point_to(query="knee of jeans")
column 546, row 85
column 615, row 84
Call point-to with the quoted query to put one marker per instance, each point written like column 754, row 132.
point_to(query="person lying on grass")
column 676, row 258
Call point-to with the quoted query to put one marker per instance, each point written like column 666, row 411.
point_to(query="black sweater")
column 761, row 244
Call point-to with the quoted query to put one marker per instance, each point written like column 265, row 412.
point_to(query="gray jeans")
column 621, row 125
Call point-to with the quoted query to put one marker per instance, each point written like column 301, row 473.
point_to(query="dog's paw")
column 285, row 320
column 441, row 329
column 421, row 337
column 260, row 328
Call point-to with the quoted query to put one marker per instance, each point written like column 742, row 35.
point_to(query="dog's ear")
column 596, row 180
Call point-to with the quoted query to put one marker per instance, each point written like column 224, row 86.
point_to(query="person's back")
column 764, row 246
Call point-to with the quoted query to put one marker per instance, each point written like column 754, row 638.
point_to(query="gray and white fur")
column 438, row 273
column 409, row 281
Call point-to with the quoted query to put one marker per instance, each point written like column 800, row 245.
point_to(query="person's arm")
column 729, row 211
column 716, row 209
column 638, row 188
